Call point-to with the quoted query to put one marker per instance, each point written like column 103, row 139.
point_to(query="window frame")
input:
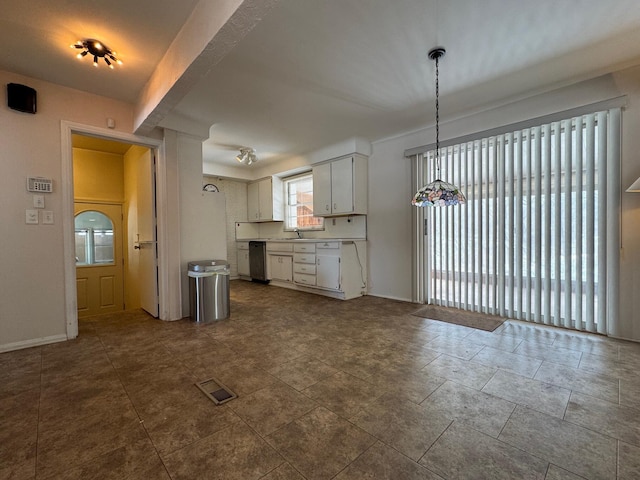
column 285, row 186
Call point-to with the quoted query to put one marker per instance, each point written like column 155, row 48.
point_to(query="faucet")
column 297, row 232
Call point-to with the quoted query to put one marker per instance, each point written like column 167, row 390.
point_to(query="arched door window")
column 94, row 239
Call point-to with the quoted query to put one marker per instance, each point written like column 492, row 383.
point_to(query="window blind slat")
column 579, row 219
column 557, row 230
column 601, row 312
column 519, row 171
column 547, row 225
column 590, row 224
column 511, row 229
column 537, row 316
column 568, row 278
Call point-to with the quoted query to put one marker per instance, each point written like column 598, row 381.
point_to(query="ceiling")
column 314, row 73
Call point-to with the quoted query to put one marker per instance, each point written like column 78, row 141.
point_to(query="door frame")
column 67, row 190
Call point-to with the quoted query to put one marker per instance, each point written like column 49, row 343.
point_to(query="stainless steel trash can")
column 208, row 290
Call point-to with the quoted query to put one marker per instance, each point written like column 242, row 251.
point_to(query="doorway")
column 115, row 226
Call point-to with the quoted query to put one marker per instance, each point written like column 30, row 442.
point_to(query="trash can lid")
column 208, row 265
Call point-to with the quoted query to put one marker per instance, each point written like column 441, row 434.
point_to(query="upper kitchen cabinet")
column 340, row 187
column 264, row 200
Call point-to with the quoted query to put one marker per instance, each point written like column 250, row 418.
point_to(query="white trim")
column 33, row 342
column 66, row 130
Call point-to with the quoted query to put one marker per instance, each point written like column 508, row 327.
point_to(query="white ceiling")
column 313, row 73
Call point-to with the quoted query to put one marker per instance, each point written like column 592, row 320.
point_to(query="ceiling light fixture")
column 247, row 156
column 97, row 49
column 438, row 193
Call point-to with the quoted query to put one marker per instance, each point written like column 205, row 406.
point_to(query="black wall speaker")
column 21, row 98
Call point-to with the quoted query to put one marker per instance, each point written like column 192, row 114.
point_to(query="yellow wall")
column 98, row 176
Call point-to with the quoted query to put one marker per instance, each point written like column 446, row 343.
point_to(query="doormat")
column 216, row 391
column 456, row 316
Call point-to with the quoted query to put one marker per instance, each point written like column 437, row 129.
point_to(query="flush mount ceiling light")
column 97, row 50
column 247, row 156
column 438, row 193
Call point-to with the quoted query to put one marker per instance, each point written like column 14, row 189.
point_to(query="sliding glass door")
column 538, row 239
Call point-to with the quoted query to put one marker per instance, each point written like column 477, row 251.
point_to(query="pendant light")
column 438, row 193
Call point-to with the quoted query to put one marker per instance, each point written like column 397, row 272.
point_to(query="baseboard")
column 389, row 297
column 34, row 342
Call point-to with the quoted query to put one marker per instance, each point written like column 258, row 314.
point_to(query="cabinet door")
column 253, row 202
column 322, row 190
column 243, row 263
column 328, row 272
column 342, row 186
column 287, row 269
column 265, row 199
column 281, row 268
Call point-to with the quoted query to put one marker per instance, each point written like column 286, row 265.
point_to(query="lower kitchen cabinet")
column 335, row 268
column 281, row 268
column 328, row 272
column 243, row 259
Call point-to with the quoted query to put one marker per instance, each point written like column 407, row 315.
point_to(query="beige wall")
column 32, row 295
column 235, row 194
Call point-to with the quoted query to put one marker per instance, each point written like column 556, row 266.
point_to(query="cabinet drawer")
column 304, row 247
column 304, row 279
column 329, row 245
column 242, row 245
column 279, row 247
column 304, row 258
column 304, row 268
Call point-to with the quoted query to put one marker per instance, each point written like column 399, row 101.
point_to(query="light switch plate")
column 38, row 201
column 47, row 217
column 31, row 217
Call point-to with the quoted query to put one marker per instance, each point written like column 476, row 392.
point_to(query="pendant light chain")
column 438, row 192
column 438, row 116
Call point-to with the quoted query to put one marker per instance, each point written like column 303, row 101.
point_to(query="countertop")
column 301, row 240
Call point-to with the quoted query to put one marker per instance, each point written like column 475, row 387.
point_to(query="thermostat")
column 39, row 184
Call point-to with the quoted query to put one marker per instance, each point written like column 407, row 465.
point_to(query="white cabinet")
column 328, row 265
column 304, row 264
column 340, row 187
column 332, row 267
column 264, row 200
column 280, row 261
column 281, row 268
column 243, row 259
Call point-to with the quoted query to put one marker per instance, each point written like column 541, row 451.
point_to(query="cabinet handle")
column 326, row 207
column 335, row 206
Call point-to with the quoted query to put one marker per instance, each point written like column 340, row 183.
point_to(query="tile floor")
column 327, row 389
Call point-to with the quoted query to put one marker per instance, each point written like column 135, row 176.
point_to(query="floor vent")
column 216, row 391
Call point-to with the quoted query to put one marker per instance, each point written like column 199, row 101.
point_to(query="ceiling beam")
column 212, row 30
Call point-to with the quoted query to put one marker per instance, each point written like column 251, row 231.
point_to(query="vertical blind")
column 538, row 239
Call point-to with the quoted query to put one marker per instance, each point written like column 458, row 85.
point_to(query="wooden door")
column 146, row 234
column 99, row 269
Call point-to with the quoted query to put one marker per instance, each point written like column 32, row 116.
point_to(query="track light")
column 97, row 50
column 247, row 156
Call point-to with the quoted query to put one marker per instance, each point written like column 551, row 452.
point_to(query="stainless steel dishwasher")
column 258, row 261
